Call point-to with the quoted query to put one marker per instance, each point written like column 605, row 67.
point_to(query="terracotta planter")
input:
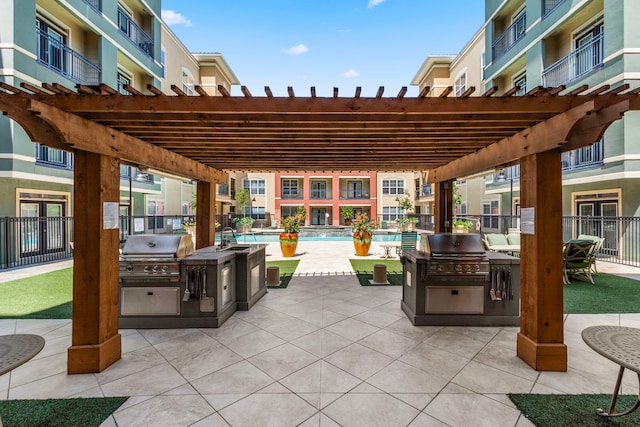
column 288, row 244
column 458, row 229
column 362, row 246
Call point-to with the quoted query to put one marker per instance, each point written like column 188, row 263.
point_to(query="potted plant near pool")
column 347, row 214
column 363, row 229
column 243, row 223
column 289, row 238
column 462, row 226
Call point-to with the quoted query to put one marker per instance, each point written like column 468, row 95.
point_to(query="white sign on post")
column 527, row 221
column 110, row 215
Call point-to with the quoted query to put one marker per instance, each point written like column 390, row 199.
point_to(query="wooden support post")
column 540, row 341
column 443, row 206
column 95, row 342
column 205, row 214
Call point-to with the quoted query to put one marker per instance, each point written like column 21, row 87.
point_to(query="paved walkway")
column 325, row 351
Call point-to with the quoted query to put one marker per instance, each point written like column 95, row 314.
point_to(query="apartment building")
column 122, row 44
column 456, row 75
column 551, row 43
column 525, row 44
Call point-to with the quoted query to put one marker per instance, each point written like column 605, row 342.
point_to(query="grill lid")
column 454, row 244
column 158, row 246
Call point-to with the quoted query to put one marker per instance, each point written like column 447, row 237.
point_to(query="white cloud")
column 374, row 3
column 175, row 18
column 297, row 50
column 351, row 74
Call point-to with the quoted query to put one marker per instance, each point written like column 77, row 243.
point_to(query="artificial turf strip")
column 87, row 412
column 364, row 271
column 287, row 268
column 610, row 294
column 45, row 296
column 573, row 410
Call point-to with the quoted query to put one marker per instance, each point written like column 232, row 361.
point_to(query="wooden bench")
column 621, row 345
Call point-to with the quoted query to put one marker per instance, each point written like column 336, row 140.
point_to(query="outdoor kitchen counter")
column 461, row 299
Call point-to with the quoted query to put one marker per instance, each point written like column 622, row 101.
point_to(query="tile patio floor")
column 322, row 352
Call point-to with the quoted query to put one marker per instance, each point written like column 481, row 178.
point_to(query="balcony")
column 65, row 61
column 583, row 158
column 576, row 65
column 291, row 195
column 354, row 195
column 134, row 33
column 320, row 195
column 510, row 36
column 549, row 5
column 95, row 4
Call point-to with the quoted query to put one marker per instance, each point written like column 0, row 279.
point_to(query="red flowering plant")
column 291, row 224
column 363, row 228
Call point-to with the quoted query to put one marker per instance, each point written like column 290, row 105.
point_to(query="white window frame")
column 517, row 78
column 188, row 82
column 397, row 188
column 257, row 186
column 460, row 83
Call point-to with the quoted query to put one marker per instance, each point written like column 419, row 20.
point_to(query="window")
column 288, row 211
column 53, row 157
column 520, row 83
column 318, row 189
column 490, row 214
column 163, row 59
column 155, row 212
column 290, row 188
column 460, row 84
column 255, row 186
column 125, row 19
column 123, row 79
column 51, row 42
column 255, row 212
column 393, row 186
column 188, row 82
column 392, row 213
column 588, row 49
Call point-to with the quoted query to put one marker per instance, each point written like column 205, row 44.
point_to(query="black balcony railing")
column 65, row 61
column 576, row 65
column 583, row 158
column 291, row 195
column 54, row 157
column 354, row 194
column 510, row 36
column 134, row 33
column 95, row 4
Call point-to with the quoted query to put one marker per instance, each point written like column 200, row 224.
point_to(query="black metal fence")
column 30, row 241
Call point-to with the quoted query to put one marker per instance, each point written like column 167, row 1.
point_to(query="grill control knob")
column 440, row 267
column 467, row 268
column 156, row 268
column 165, row 269
column 458, row 268
column 146, row 269
column 129, row 268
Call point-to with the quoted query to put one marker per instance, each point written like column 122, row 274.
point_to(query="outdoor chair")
column 494, row 239
column 407, row 242
column 577, row 259
column 599, row 242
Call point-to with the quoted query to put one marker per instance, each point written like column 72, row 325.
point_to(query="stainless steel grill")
column 454, row 281
column 455, row 258
column 153, row 257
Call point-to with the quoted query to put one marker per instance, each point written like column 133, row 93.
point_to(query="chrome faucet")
column 223, row 242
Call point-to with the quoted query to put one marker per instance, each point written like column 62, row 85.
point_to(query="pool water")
column 265, row 238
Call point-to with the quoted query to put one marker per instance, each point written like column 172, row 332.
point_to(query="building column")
column 95, row 341
column 205, row 214
column 443, row 215
column 540, row 341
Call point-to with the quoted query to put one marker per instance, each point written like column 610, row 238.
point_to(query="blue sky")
column 325, row 43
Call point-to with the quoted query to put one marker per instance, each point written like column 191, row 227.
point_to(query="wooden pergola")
column 204, row 137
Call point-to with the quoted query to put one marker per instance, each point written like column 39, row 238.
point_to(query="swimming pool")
column 265, row 238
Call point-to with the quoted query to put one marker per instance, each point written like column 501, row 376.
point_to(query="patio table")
column 619, row 344
column 387, row 250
